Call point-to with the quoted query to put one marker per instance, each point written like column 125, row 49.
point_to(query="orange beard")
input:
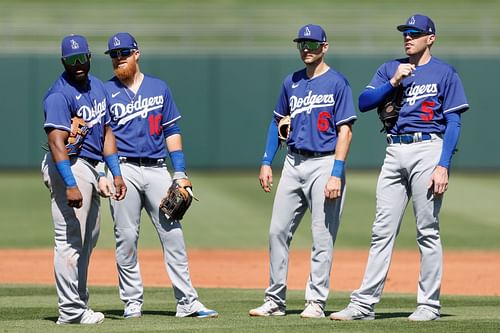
column 125, row 73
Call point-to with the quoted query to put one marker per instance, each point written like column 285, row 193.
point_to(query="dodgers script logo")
column 140, row 108
column 306, row 104
column 92, row 115
column 416, row 92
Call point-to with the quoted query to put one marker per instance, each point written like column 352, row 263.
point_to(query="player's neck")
column 316, row 69
column 420, row 58
column 134, row 82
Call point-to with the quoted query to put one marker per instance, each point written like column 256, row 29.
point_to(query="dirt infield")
column 465, row 273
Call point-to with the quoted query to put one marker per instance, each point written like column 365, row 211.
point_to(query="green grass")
column 34, row 309
column 233, row 212
column 248, row 26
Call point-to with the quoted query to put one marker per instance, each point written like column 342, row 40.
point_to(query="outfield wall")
column 227, row 102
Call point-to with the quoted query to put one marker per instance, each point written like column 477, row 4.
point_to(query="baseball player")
column 144, row 119
column 72, row 180
column 419, row 150
column 319, row 101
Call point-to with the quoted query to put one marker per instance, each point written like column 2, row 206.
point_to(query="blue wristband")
column 64, row 168
column 178, row 162
column 338, row 168
column 113, row 164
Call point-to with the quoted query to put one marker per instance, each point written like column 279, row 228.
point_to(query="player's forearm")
column 341, row 150
column 371, row 98
column 450, row 139
column 272, row 143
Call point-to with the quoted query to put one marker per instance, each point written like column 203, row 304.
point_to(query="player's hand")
column 105, row 188
column 74, row 197
column 120, row 187
column 404, row 70
column 439, row 181
column 333, row 188
column 266, row 178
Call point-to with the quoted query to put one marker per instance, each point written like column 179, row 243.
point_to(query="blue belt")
column 408, row 138
column 143, row 161
column 309, row 153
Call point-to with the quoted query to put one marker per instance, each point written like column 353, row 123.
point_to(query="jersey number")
column 323, row 123
column 427, row 110
column 154, row 124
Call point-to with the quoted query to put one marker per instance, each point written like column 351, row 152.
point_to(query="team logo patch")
column 116, row 41
column 411, row 20
column 307, row 32
column 74, row 44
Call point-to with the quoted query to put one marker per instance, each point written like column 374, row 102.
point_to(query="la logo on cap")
column 116, row 42
column 74, row 44
column 411, row 20
column 307, row 32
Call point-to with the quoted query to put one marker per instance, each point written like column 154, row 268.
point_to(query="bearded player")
column 319, row 101
column 420, row 146
column 144, row 119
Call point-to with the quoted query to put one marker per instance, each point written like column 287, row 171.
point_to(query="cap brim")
column 404, row 27
column 311, row 39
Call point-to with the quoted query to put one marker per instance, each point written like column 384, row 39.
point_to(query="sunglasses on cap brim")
column 71, row 60
column 309, row 45
column 121, row 53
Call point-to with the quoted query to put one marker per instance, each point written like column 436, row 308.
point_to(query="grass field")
column 233, row 212
column 246, row 26
column 32, row 309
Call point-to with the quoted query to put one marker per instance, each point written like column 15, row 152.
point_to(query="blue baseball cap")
column 121, row 40
column 311, row 32
column 418, row 22
column 74, row 44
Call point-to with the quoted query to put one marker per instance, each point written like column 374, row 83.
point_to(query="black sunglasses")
column 122, row 53
column 82, row 58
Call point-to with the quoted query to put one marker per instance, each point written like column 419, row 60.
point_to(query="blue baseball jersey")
column 431, row 91
column 316, row 106
column 64, row 100
column 140, row 120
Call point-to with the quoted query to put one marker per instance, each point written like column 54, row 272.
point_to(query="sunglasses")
column 414, row 34
column 123, row 53
column 309, row 44
column 82, row 58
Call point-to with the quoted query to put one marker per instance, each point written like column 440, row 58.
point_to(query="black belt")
column 143, row 161
column 91, row 161
column 408, row 138
column 309, row 153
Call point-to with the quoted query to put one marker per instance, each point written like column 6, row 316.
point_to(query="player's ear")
column 325, row 47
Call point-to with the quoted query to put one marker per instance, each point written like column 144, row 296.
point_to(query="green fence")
column 227, row 102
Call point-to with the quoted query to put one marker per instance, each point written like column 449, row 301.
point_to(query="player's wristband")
column 64, row 168
column 178, row 162
column 338, row 168
column 113, row 164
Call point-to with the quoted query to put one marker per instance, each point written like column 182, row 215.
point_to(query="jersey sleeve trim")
column 463, row 107
column 171, row 121
column 348, row 120
column 278, row 114
column 51, row 125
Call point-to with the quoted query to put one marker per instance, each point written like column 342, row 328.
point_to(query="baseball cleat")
column 269, row 308
column 424, row 313
column 352, row 313
column 312, row 310
column 133, row 310
column 89, row 317
column 205, row 313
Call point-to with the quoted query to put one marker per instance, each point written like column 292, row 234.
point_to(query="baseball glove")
column 78, row 132
column 284, row 128
column 388, row 111
column 178, row 199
